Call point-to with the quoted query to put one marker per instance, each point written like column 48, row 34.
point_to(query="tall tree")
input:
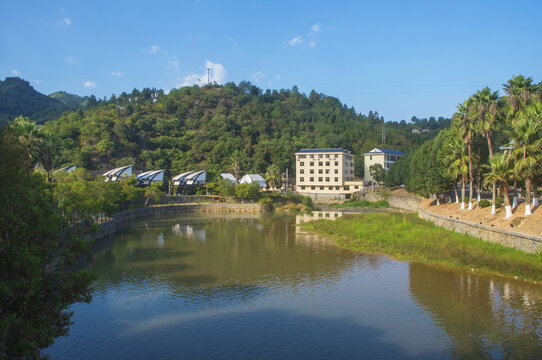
column 458, row 164
column 500, row 172
column 463, row 119
column 487, row 111
column 36, row 285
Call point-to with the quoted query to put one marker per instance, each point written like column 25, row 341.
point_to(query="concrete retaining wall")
column 524, row 242
column 119, row 219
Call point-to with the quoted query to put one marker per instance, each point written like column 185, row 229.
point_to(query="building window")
column 320, row 171
column 347, row 187
column 327, row 163
column 302, row 188
column 312, row 187
column 311, row 179
column 336, row 171
column 301, row 179
column 320, row 156
column 336, row 163
column 327, row 179
column 336, row 179
column 371, row 157
column 327, row 156
column 302, row 156
column 320, row 163
column 336, row 156
column 311, row 163
column 327, row 171
column 356, row 187
column 320, row 179
column 321, row 188
column 327, row 215
column 337, row 188
column 312, row 156
column 302, row 171
column 302, row 163
column 311, row 171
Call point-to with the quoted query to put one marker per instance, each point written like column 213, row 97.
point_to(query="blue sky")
column 400, row 58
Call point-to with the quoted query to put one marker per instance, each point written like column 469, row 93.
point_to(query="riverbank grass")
column 407, row 237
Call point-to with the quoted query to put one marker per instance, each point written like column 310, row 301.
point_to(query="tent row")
column 193, row 178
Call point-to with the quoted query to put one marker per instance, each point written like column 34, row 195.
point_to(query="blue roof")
column 336, row 150
column 386, row 151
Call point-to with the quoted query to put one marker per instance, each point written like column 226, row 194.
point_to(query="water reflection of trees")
column 485, row 317
column 208, row 257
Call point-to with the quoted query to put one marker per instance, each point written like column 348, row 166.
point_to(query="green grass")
column 361, row 204
column 407, row 237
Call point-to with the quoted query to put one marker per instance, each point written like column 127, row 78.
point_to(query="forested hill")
column 215, row 127
column 18, row 97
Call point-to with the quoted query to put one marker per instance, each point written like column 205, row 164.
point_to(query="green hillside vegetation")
column 18, row 97
column 72, row 101
column 222, row 128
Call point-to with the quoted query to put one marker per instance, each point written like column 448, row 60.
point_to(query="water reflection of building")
column 317, row 215
column 305, row 239
column 481, row 315
column 189, row 231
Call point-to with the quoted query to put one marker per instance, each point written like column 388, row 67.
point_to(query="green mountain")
column 217, row 126
column 72, row 102
column 18, row 97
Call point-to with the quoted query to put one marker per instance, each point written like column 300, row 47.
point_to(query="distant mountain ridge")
column 18, row 97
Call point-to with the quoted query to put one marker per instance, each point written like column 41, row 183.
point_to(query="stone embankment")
column 513, row 239
column 120, row 219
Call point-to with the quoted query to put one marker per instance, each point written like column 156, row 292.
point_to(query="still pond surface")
column 245, row 287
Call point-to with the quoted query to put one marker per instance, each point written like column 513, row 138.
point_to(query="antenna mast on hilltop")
column 208, row 78
column 383, row 136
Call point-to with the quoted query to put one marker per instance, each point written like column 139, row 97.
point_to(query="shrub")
column 484, row 203
column 499, row 202
column 307, row 202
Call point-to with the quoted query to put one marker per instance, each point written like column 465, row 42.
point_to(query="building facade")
column 328, row 173
column 384, row 157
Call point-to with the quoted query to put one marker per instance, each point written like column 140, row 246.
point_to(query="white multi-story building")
column 326, row 173
column 384, row 157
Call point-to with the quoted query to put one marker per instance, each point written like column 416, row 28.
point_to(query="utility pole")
column 383, row 136
column 286, row 191
column 208, row 78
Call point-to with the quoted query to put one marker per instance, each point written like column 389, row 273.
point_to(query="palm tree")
column 458, row 165
column 487, row 109
column 526, row 133
column 37, row 142
column 463, row 119
column 500, row 172
column 273, row 176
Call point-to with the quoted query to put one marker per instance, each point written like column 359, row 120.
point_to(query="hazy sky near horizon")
column 400, row 58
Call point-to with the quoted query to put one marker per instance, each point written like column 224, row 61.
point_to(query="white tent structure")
column 250, row 178
column 197, row 178
column 118, row 173
column 66, row 169
column 150, row 177
column 180, row 179
column 229, row 177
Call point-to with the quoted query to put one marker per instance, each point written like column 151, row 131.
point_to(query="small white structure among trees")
column 250, row 178
column 118, row 174
column 150, row 177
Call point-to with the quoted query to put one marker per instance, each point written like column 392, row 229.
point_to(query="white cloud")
column 64, row 22
column 277, row 76
column 72, row 60
column 257, row 76
column 116, row 74
column 173, row 64
column 294, row 41
column 315, row 28
column 217, row 73
column 15, row 72
column 313, row 44
column 154, row 49
column 89, row 84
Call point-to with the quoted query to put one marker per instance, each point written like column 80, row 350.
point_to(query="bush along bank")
column 407, row 237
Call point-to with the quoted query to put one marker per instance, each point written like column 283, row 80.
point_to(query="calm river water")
column 225, row 287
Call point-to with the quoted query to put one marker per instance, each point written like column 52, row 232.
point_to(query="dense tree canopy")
column 36, row 285
column 221, row 128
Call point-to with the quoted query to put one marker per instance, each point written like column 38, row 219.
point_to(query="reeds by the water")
column 407, row 237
